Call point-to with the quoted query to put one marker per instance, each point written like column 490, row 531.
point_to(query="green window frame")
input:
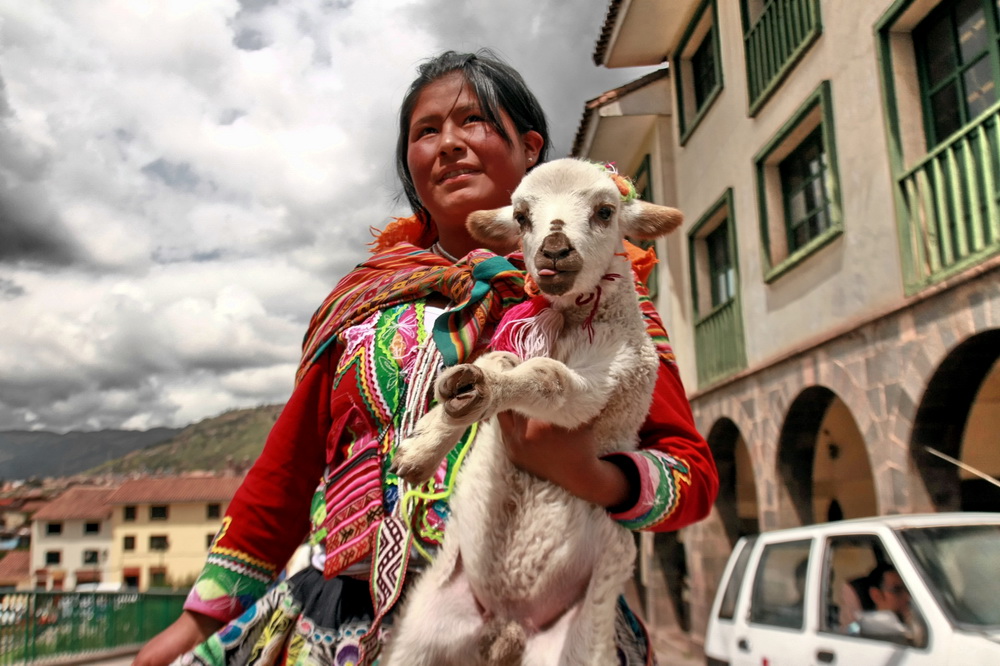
column 798, row 192
column 644, row 188
column 958, row 59
column 943, row 133
column 776, row 35
column 698, row 66
column 803, row 189
column 721, row 265
column 720, row 349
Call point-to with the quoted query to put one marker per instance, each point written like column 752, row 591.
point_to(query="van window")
column 860, row 581
column 728, row 606
column 779, row 585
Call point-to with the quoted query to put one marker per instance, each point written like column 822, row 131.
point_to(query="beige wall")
column 859, row 273
column 71, row 544
column 186, row 528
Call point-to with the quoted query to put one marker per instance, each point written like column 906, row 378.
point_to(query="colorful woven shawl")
column 481, row 285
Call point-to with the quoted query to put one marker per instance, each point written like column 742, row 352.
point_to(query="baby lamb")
column 527, row 572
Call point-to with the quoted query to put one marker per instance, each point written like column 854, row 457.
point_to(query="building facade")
column 834, row 294
column 162, row 528
column 71, row 538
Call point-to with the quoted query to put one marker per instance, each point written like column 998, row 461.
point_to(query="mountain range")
column 232, row 438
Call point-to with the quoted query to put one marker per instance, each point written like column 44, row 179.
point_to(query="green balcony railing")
column 949, row 200
column 784, row 29
column 718, row 339
column 38, row 626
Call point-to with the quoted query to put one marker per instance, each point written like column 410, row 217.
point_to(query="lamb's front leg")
column 421, row 453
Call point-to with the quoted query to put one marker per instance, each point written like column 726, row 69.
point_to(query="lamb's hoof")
column 409, row 466
column 462, row 391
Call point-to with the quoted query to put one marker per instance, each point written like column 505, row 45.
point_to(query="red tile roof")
column 177, row 489
column 610, row 18
column 15, row 567
column 78, row 503
column 605, row 98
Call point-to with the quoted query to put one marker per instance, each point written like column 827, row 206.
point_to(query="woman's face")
column 458, row 162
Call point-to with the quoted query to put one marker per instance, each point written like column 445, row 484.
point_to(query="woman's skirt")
column 308, row 620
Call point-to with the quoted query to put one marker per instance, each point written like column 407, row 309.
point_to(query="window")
column 53, row 529
column 128, row 513
column 158, row 542
column 158, row 577
column 803, row 186
column 779, row 588
column 699, row 69
column 644, row 188
column 860, row 579
column 727, row 609
column 128, row 543
column 158, row 512
column 798, row 186
column 775, row 37
column 91, row 557
column 718, row 315
column 721, row 274
column 53, row 558
column 213, row 511
column 957, row 52
column 91, row 528
column 209, row 538
column 940, row 69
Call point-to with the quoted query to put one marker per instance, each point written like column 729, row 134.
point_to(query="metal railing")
column 37, row 626
column 950, row 216
column 783, row 29
column 719, row 347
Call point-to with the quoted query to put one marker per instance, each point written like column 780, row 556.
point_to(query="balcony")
column 949, row 217
column 718, row 339
column 775, row 41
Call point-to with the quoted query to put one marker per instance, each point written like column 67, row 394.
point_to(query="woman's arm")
column 669, row 483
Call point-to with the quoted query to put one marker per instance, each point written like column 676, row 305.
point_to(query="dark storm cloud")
column 30, row 231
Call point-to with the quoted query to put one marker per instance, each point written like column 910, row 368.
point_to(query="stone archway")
column 737, row 500
column 796, row 453
column 956, row 424
column 842, row 479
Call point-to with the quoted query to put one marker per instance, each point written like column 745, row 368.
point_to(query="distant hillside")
column 25, row 454
column 232, row 437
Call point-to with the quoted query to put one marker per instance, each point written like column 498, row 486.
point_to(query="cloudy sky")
column 182, row 181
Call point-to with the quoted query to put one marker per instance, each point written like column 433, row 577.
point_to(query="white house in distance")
column 71, row 538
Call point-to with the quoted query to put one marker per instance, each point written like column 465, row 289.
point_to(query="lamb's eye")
column 604, row 213
column 522, row 219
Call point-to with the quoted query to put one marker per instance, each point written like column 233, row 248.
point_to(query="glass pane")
column 779, row 586
column 938, row 47
column 945, row 112
column 972, row 34
column 728, row 607
column 980, row 88
column 959, row 563
column 703, row 68
column 797, row 207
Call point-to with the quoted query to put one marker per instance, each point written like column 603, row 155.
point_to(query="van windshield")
column 960, row 564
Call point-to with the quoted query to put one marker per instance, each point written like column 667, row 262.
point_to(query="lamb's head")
column 570, row 217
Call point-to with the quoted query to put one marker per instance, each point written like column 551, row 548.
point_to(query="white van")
column 901, row 590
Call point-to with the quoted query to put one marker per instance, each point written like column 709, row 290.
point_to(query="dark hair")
column 497, row 86
column 877, row 575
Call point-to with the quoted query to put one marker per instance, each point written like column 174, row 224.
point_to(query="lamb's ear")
column 496, row 229
column 641, row 219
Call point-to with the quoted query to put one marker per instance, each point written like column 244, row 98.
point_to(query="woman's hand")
column 187, row 631
column 567, row 458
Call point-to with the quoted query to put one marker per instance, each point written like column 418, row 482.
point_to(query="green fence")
column 951, row 204
column 35, row 626
column 784, row 29
column 719, row 347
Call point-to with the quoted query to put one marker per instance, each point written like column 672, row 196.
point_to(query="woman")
column 469, row 131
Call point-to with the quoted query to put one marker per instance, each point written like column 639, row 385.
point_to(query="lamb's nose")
column 556, row 246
